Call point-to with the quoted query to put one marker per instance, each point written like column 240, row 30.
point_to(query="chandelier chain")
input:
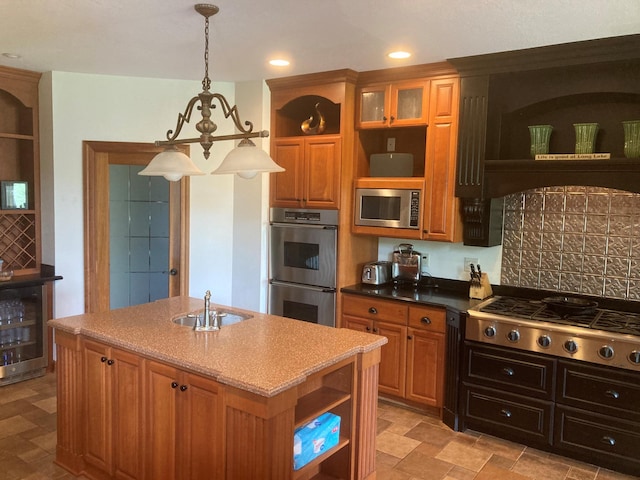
column 206, row 82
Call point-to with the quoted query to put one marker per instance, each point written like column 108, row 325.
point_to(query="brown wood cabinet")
column 312, row 172
column 442, row 216
column 398, row 104
column 20, row 161
column 412, row 362
column 113, row 427
column 183, row 424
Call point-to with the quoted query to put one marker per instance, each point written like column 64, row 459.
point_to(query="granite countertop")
column 265, row 355
column 450, row 294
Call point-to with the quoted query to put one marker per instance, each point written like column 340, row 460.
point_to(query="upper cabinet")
column 308, row 119
column 397, row 104
column 19, row 171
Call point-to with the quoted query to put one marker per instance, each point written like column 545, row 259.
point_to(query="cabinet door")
column 99, row 406
column 161, row 387
column 373, row 106
column 425, row 367
column 287, row 187
column 359, row 324
column 201, row 454
column 442, row 219
column 112, row 400
column 392, row 358
column 322, row 172
column 409, row 103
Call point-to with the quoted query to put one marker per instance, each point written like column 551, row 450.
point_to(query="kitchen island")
column 140, row 396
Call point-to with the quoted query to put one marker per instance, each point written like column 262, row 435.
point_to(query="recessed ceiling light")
column 399, row 54
column 11, row 55
column 279, row 62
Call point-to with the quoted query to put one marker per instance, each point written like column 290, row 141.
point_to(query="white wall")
column 446, row 260
column 79, row 107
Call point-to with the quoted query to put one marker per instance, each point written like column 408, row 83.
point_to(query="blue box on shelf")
column 314, row 438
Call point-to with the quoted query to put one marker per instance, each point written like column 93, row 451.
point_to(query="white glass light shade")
column 247, row 161
column 171, row 164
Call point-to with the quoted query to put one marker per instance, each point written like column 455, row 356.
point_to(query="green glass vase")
column 586, row 137
column 631, row 138
column 540, row 135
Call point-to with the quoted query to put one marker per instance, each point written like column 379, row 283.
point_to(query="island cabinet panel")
column 183, row 424
column 112, row 380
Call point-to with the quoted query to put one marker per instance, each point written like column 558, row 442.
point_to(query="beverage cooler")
column 23, row 346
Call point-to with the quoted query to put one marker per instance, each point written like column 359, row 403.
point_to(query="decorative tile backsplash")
column 583, row 240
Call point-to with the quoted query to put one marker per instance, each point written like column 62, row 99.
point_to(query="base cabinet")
column 412, row 362
column 113, row 432
column 183, row 424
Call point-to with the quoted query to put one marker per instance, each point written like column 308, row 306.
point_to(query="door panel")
column 98, row 156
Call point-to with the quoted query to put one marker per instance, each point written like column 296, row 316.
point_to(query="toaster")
column 376, row 273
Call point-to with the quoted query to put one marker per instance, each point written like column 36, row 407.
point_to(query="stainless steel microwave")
column 388, row 207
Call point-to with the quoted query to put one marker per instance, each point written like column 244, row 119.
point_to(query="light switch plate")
column 391, row 144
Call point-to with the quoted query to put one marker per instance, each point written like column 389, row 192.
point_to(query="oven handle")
column 306, row 287
column 304, row 225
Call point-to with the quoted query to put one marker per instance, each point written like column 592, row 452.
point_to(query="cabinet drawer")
column 375, row 309
column 429, row 318
column 611, row 441
column 598, row 389
column 505, row 415
column 511, row 370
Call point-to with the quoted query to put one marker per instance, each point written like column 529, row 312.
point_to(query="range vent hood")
column 503, row 93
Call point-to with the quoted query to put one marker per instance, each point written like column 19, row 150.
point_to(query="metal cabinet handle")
column 613, row 394
column 425, row 320
column 174, row 384
column 183, row 388
column 110, row 362
column 505, row 413
column 607, row 440
column 373, row 311
column 508, row 371
column 103, row 359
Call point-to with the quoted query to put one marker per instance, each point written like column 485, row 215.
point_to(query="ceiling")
column 165, row 38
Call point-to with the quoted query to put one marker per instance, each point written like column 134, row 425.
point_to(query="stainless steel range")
column 596, row 335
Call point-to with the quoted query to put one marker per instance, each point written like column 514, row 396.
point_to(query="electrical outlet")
column 391, row 144
column 468, row 261
column 425, row 262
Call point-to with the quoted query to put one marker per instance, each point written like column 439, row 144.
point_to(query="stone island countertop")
column 265, row 354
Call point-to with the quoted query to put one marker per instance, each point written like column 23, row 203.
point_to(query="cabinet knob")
column 372, row 310
column 173, row 271
column 505, row 413
column 368, row 329
column 612, row 394
column 174, row 384
column 508, row 371
column 409, row 337
column 384, row 118
column 607, row 440
column 392, row 119
column 110, row 362
column 425, row 320
column 103, row 359
column 183, row 388
column 375, row 330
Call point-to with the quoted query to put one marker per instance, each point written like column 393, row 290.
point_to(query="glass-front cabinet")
column 393, row 105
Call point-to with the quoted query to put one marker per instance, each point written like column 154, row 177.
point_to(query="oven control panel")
column 595, row 346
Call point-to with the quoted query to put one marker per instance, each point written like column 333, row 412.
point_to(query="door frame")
column 97, row 156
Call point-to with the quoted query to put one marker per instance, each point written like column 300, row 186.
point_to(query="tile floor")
column 411, row 446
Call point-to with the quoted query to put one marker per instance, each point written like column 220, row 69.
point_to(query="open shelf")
column 303, row 472
column 325, row 398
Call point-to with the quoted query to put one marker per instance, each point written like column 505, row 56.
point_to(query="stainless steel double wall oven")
column 302, row 282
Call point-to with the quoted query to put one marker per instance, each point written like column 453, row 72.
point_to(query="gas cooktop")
column 596, row 335
column 595, row 318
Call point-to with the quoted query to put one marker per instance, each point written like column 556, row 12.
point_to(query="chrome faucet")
column 205, row 324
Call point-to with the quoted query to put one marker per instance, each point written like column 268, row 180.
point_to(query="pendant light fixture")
column 246, row 159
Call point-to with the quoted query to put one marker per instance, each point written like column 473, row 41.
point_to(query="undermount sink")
column 227, row 317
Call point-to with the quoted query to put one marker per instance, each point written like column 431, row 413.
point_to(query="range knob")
column 513, row 335
column 571, row 346
column 634, row 357
column 606, row 351
column 490, row 331
column 544, row 341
